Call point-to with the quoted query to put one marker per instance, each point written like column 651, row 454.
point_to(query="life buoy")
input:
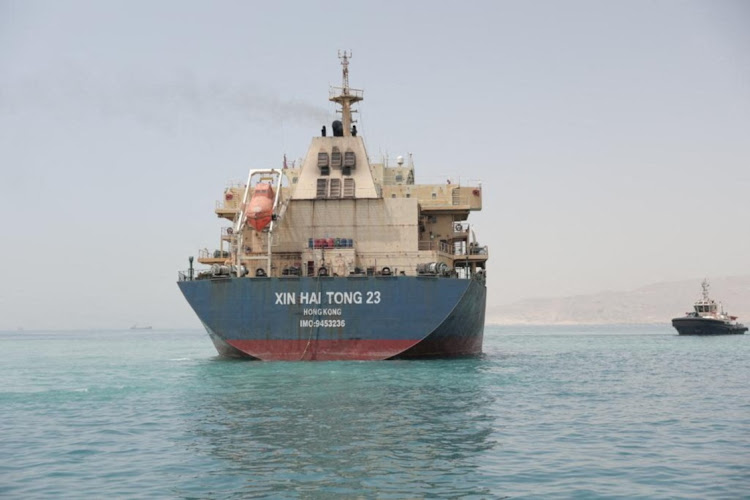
column 323, row 271
column 228, row 196
column 386, row 271
column 476, row 192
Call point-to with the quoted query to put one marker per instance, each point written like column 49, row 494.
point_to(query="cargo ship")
column 707, row 318
column 338, row 258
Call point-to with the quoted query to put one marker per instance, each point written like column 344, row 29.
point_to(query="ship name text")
column 327, row 298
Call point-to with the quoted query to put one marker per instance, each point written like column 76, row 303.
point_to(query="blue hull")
column 706, row 326
column 354, row 317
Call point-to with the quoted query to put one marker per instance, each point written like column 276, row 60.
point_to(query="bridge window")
column 350, row 160
column 335, row 188
column 322, row 188
column 349, row 188
column 323, row 164
column 336, row 158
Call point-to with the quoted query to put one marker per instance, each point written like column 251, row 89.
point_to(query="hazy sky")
column 612, row 139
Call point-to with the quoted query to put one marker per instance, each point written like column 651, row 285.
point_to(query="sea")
column 546, row 412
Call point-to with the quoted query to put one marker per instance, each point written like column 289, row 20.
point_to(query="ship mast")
column 346, row 96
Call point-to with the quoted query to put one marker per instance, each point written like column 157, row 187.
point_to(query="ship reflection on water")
column 345, row 428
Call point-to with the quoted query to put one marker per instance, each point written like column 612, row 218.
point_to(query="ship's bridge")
column 335, row 167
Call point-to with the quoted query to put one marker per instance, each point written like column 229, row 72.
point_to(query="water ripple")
column 620, row 412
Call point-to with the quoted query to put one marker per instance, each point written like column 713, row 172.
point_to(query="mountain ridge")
column 649, row 304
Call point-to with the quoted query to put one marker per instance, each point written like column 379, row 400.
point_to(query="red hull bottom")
column 322, row 350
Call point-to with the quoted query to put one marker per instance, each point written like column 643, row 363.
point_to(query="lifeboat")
column 260, row 209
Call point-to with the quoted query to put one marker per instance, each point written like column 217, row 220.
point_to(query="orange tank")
column 260, row 209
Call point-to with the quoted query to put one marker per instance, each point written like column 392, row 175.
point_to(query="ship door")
column 311, row 268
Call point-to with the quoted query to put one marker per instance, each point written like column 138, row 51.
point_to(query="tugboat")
column 341, row 258
column 708, row 318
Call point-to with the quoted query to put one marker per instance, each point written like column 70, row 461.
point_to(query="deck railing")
column 438, row 246
column 205, row 253
column 446, row 248
column 337, row 91
column 446, row 200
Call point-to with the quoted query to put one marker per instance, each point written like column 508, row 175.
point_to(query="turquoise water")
column 553, row 412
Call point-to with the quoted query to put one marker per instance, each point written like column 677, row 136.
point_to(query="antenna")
column 345, row 96
column 344, row 56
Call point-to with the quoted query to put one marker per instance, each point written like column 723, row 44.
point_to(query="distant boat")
column 136, row 327
column 707, row 319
